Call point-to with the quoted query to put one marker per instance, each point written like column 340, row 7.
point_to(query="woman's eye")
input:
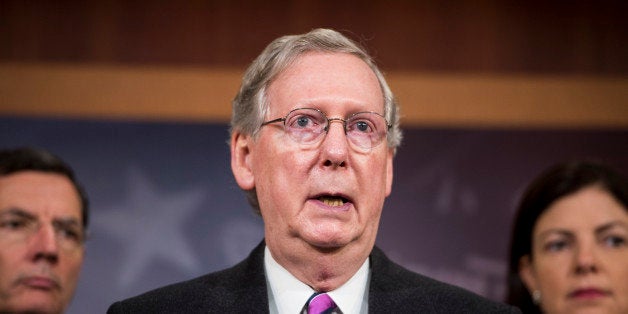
column 555, row 246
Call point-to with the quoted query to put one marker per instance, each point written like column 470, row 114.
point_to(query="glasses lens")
column 366, row 129
column 305, row 125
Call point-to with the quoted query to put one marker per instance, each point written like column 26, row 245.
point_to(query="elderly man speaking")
column 313, row 134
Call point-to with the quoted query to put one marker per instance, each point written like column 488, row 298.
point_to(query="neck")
column 323, row 269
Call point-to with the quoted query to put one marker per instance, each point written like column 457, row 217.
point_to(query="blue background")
column 165, row 206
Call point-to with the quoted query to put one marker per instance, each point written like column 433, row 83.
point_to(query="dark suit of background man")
column 313, row 134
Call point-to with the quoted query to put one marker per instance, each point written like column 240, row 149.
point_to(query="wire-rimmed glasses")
column 308, row 125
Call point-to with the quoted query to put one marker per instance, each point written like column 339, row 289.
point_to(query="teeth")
column 331, row 201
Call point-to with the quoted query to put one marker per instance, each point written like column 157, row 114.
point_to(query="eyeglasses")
column 308, row 125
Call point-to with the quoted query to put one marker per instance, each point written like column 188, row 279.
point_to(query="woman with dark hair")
column 569, row 245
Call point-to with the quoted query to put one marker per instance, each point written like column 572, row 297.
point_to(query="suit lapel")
column 249, row 285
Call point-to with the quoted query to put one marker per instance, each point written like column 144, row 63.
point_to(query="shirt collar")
column 287, row 294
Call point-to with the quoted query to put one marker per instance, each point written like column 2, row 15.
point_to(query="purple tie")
column 320, row 303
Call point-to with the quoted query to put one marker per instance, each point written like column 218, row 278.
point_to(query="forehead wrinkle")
column 295, row 75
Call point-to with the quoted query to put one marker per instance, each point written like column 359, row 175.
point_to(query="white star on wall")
column 150, row 225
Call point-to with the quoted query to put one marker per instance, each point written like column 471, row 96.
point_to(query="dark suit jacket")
column 242, row 289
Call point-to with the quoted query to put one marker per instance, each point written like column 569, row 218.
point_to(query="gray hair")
column 250, row 105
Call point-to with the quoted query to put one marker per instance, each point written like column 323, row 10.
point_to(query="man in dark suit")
column 313, row 134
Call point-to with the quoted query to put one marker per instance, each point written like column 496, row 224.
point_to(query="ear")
column 241, row 164
column 389, row 171
column 527, row 273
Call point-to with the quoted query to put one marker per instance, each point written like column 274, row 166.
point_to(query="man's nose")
column 335, row 144
column 44, row 245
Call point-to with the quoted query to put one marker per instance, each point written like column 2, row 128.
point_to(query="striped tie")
column 320, row 303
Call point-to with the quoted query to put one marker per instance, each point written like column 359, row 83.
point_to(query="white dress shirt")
column 288, row 295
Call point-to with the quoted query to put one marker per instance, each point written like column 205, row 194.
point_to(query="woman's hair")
column 554, row 183
column 250, row 105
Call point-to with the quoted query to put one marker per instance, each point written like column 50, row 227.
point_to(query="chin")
column 35, row 308
column 37, row 304
column 327, row 245
column 328, row 240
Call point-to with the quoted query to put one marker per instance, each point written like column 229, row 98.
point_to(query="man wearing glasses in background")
column 43, row 217
column 313, row 135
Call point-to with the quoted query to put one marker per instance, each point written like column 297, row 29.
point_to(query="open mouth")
column 333, row 201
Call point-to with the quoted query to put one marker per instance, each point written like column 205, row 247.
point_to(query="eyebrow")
column 19, row 212
column 605, row 227
column 15, row 211
column 66, row 222
column 601, row 229
column 549, row 232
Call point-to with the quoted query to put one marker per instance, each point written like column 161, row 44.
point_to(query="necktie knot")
column 320, row 303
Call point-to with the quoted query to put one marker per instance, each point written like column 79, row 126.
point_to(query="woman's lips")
column 588, row 293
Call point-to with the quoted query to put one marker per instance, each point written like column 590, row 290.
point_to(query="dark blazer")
column 242, row 289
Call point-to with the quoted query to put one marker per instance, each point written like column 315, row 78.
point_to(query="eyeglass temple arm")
column 273, row 121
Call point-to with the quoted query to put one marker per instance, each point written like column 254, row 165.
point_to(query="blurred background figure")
column 43, row 218
column 569, row 248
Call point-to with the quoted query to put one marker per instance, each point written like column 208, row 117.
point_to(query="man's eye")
column 13, row 224
column 302, row 122
column 614, row 241
column 362, row 126
column 70, row 234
